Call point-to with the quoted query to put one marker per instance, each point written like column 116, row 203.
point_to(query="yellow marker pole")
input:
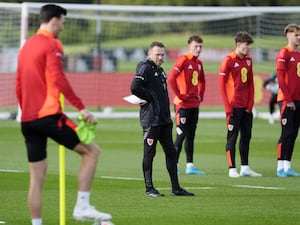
column 62, row 177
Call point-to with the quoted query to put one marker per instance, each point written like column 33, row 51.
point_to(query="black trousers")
column 272, row 103
column 239, row 122
column 163, row 134
column 186, row 124
column 290, row 120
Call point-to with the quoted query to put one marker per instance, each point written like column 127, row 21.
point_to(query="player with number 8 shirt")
column 288, row 74
column 187, row 79
column 237, row 91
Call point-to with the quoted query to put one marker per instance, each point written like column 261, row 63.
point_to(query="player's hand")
column 229, row 113
column 199, row 98
column 183, row 97
column 88, row 116
column 291, row 105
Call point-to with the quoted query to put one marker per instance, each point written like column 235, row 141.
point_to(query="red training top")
column 40, row 78
column 187, row 80
column 236, row 82
column 288, row 73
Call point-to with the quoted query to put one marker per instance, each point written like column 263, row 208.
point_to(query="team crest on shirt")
column 150, row 141
column 199, row 67
column 183, row 120
column 248, row 62
column 230, row 127
column 284, row 121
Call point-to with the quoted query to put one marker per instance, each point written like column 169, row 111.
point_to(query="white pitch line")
column 258, row 187
column 11, row 171
column 121, row 178
column 2, row 222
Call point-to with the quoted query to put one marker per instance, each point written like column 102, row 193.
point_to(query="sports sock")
column 279, row 165
column 286, row 165
column 83, row 199
column 244, row 167
column 36, row 221
column 189, row 165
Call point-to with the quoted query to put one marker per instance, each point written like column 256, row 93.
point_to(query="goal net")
column 103, row 43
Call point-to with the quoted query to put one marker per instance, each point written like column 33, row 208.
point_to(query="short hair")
column 195, row 38
column 156, row 43
column 292, row 27
column 243, row 36
column 50, row 11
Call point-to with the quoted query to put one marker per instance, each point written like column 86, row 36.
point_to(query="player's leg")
column 180, row 119
column 246, row 131
column 233, row 127
column 37, row 157
column 62, row 130
column 272, row 103
column 289, row 131
column 37, row 178
column 150, row 142
column 191, row 125
column 166, row 141
column 89, row 158
column 291, row 128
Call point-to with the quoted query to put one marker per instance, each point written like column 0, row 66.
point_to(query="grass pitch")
column 119, row 188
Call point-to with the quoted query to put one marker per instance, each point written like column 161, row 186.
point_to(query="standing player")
column 237, row 91
column 288, row 73
column 188, row 83
column 271, row 84
column 150, row 84
column 40, row 80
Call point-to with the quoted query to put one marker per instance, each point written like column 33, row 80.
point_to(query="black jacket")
column 150, row 84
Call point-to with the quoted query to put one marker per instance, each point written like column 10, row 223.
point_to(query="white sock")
column 83, row 199
column 189, row 165
column 244, row 167
column 286, row 165
column 279, row 165
column 37, row 221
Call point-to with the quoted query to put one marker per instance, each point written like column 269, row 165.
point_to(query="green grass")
column 219, row 199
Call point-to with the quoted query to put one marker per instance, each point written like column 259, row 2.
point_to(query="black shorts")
column 57, row 127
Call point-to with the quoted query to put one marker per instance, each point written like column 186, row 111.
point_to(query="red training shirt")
column 236, row 82
column 187, row 79
column 40, row 78
column 288, row 74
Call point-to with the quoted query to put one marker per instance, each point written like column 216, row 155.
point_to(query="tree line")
column 181, row 2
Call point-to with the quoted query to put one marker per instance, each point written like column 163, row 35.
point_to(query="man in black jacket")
column 150, row 84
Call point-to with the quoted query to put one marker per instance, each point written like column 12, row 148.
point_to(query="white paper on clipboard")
column 133, row 99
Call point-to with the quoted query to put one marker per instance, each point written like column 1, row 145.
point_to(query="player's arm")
column 223, row 76
column 177, row 85
column 281, row 61
column 201, row 83
column 139, row 81
column 18, row 86
column 251, row 91
column 54, row 65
